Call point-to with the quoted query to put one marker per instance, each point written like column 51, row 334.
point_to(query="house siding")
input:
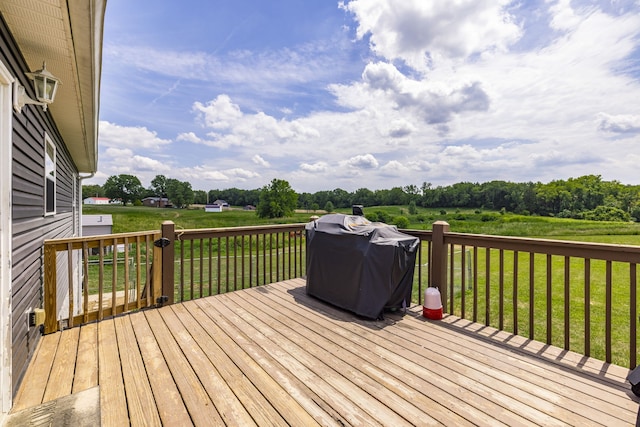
column 30, row 226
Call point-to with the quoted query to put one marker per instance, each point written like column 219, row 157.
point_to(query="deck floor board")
column 274, row 356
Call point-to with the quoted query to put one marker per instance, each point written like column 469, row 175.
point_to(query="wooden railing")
column 578, row 296
column 116, row 273
column 574, row 295
column 124, row 272
column 218, row 260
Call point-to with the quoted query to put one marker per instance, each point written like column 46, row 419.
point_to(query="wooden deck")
column 274, row 356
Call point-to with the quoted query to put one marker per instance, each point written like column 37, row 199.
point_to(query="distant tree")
column 305, row 201
column 179, row 193
column 93, row 190
column 277, row 200
column 329, row 206
column 412, row 191
column 159, row 186
column 364, row 197
column 412, row 208
column 125, row 187
column 200, row 197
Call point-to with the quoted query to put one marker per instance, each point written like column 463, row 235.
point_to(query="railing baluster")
column 419, row 260
column 219, row 266
column 475, row 284
column 250, row 261
column 501, row 289
column 463, row 280
column 487, row 286
column 532, row 295
column 277, row 257
column 264, row 258
column 235, row 263
column 71, row 281
column 516, row 262
column 608, row 307
column 289, row 248
column 138, row 272
column 114, row 276
column 85, row 281
column 191, row 268
column 633, row 315
column 271, row 257
column 549, row 298
column 451, row 283
column 226, row 258
column 126, row 275
column 148, row 270
column 182, row 282
column 587, row 307
column 201, row 284
column 210, row 266
column 567, row 301
column 101, row 280
column 242, row 251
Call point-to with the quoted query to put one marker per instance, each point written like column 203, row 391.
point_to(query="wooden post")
column 439, row 260
column 50, row 290
column 168, row 232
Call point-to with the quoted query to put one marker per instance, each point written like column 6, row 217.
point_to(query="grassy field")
column 129, row 219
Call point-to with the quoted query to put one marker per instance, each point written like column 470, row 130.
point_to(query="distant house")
column 157, row 202
column 216, row 206
column 96, row 201
column 222, row 203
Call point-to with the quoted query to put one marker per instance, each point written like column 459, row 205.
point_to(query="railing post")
column 50, row 290
column 168, row 232
column 439, row 259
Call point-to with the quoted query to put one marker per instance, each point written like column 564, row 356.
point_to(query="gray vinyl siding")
column 30, row 226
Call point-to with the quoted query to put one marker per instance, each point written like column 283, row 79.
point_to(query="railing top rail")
column 118, row 236
column 605, row 251
column 236, row 231
column 422, row 234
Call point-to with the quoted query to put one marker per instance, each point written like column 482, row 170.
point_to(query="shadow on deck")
column 271, row 355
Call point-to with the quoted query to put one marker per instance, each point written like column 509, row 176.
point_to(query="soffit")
column 67, row 34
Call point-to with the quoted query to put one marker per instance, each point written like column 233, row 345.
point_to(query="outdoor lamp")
column 45, row 84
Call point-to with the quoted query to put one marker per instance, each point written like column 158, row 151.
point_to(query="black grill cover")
column 359, row 265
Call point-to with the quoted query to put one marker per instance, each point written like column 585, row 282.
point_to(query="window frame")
column 50, row 176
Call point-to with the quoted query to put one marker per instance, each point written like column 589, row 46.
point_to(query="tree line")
column 585, row 197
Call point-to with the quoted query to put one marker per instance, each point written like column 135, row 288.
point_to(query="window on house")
column 49, row 176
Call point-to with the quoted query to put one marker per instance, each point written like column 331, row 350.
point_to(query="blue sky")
column 369, row 93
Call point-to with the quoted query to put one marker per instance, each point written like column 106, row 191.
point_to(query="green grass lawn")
column 129, row 219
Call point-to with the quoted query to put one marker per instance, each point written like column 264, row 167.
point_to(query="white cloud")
column 230, row 127
column 113, row 135
column 621, row 124
column 420, row 32
column 401, row 128
column 125, row 161
column 189, row 137
column 366, row 161
column 219, row 114
column 317, row 167
column 258, row 160
column 393, row 168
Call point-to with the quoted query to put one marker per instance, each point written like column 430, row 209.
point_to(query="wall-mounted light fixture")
column 45, row 84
